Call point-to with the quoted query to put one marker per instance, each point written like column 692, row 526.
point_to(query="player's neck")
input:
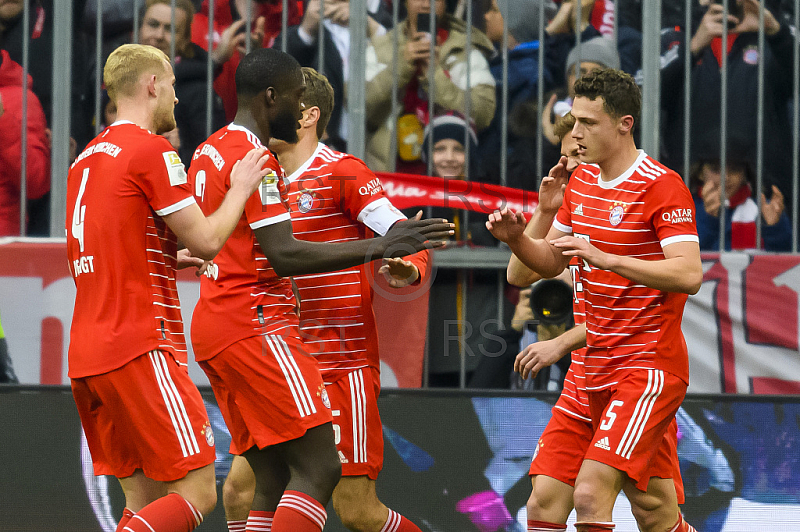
column 299, row 153
column 139, row 115
column 617, row 163
column 246, row 119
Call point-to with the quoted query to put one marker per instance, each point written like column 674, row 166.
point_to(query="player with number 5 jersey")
column 630, row 220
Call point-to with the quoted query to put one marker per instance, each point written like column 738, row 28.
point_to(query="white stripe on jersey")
column 655, row 384
column 294, row 379
column 358, row 402
column 174, row 404
column 313, row 275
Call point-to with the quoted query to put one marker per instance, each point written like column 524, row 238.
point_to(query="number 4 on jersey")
column 79, row 214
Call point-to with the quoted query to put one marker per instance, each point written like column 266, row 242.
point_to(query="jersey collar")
column 237, row 127
column 624, row 176
column 302, row 170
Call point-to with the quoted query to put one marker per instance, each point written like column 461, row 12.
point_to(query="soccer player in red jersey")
column 631, row 222
column 566, row 438
column 245, row 330
column 127, row 201
column 334, row 197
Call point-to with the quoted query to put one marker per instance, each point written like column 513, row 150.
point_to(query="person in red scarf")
column 229, row 39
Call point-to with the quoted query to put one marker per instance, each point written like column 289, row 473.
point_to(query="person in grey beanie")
column 523, row 22
column 591, row 55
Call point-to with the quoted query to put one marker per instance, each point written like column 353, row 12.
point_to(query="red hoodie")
column 11, row 146
column 225, row 82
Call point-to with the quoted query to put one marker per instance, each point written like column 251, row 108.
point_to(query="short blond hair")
column 564, row 126
column 125, row 66
column 319, row 93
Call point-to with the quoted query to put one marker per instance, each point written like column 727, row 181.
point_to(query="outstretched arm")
column 539, row 255
column 290, row 256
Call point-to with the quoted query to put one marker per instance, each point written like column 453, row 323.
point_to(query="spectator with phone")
column 302, row 43
column 743, row 204
column 743, row 59
column 449, row 82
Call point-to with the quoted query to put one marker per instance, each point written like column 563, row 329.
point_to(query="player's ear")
column 270, row 95
column 151, row 85
column 311, row 116
column 626, row 124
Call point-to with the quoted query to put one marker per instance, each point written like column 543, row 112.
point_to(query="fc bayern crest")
column 616, row 215
column 209, row 434
column 324, row 396
column 305, row 202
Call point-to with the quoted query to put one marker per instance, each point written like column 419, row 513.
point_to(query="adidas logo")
column 579, row 210
column 603, row 443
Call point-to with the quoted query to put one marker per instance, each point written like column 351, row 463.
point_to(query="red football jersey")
column 628, row 325
column 121, row 253
column 241, row 295
column 330, row 196
column 573, row 400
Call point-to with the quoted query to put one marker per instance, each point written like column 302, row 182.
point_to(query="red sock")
column 397, row 523
column 544, row 526
column 172, row 513
column 297, row 512
column 127, row 513
column 682, row 526
column 589, row 526
column 237, row 526
column 259, row 521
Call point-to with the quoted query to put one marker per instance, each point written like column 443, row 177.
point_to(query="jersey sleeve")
column 671, row 210
column 563, row 219
column 360, row 192
column 268, row 205
column 161, row 177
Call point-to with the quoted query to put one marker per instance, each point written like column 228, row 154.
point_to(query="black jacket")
column 190, row 113
column 308, row 56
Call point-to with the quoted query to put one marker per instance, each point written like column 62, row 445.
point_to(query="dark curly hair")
column 621, row 96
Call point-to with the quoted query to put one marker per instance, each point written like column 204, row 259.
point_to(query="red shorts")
column 635, row 427
column 561, row 448
column 268, row 389
column 145, row 415
column 357, row 422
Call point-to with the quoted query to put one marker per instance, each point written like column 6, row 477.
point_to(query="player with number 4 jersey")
column 128, row 202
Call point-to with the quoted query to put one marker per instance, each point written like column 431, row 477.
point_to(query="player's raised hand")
column 399, row 273
column 572, row 246
column 410, row 236
column 506, row 225
column 552, row 187
column 537, row 356
column 249, row 171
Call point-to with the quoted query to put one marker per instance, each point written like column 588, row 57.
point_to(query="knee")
column 204, row 501
column 587, row 504
column 237, row 495
column 654, row 517
column 330, row 472
column 353, row 516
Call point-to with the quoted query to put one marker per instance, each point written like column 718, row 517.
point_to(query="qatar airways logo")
column 678, row 216
column 371, row 188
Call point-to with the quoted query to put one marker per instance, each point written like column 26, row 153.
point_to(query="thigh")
column 357, row 423
column 166, row 435
column 561, row 448
column 636, row 415
column 269, row 391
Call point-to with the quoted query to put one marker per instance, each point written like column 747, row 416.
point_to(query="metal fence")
column 649, row 24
